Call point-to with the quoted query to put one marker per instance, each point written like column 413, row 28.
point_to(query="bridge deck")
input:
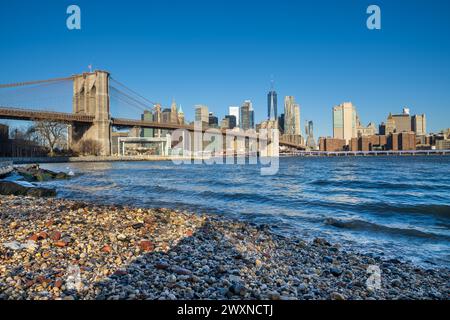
column 31, row 115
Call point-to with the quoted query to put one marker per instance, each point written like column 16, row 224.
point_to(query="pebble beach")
column 52, row 249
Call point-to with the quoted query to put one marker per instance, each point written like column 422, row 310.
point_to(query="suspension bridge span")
column 91, row 116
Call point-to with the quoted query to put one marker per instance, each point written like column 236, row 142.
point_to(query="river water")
column 397, row 207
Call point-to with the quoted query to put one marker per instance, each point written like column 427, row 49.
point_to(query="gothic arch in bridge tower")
column 91, row 97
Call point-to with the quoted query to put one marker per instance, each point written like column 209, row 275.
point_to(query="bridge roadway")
column 31, row 115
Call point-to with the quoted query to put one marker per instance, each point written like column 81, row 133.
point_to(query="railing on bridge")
column 30, row 115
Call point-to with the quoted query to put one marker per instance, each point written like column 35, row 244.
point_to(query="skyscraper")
column 281, row 122
column 213, row 121
column 291, row 116
column 344, row 122
column 245, row 115
column 402, row 121
column 251, row 114
column 201, row 113
column 157, row 116
column 147, row 132
column 173, row 112
column 166, row 115
column 231, row 121
column 309, row 128
column 234, row 111
column 180, row 115
column 419, row 124
column 272, row 104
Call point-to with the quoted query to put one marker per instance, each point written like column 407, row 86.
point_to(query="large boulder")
column 33, row 173
column 12, row 188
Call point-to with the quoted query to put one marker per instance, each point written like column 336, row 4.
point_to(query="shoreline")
column 62, row 159
column 64, row 249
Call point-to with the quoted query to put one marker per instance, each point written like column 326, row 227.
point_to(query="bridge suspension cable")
column 21, row 84
column 116, row 94
column 132, row 91
column 125, row 96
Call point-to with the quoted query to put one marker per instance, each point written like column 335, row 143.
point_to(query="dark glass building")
column 272, row 105
column 232, row 121
column 213, row 121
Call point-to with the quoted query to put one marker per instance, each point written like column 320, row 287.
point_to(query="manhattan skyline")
column 220, row 54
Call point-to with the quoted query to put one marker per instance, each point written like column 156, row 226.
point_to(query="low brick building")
column 369, row 143
column 332, row 144
column 402, row 141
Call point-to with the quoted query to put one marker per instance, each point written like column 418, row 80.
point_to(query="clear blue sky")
column 220, row 53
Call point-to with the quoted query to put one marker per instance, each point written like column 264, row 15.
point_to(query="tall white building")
column 345, row 122
column 234, row 111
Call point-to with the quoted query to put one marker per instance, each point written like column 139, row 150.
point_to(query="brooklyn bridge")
column 91, row 116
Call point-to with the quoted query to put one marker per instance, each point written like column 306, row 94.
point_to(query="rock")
column 12, row 188
column 171, row 278
column 122, row 237
column 106, row 249
column 274, row 295
column 55, row 235
column 303, row 288
column 13, row 225
column 183, row 271
column 146, row 246
column 321, row 242
column 396, row 283
column 61, row 176
column 42, row 235
column 238, row 289
column 137, row 226
column 14, row 245
column 162, row 265
column 33, row 173
column 120, row 273
column 336, row 296
column 189, row 233
column 335, row 271
column 60, row 244
column 328, row 259
column 34, row 238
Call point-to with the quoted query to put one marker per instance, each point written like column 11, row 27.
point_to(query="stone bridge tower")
column 91, row 97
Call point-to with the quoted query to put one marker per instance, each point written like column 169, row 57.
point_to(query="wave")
column 361, row 225
column 379, row 185
column 435, row 210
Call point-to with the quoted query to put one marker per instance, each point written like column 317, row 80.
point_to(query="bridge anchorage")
column 91, row 117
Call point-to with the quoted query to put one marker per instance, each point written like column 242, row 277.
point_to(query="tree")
column 90, row 147
column 53, row 134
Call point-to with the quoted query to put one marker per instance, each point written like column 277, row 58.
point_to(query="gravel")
column 61, row 249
